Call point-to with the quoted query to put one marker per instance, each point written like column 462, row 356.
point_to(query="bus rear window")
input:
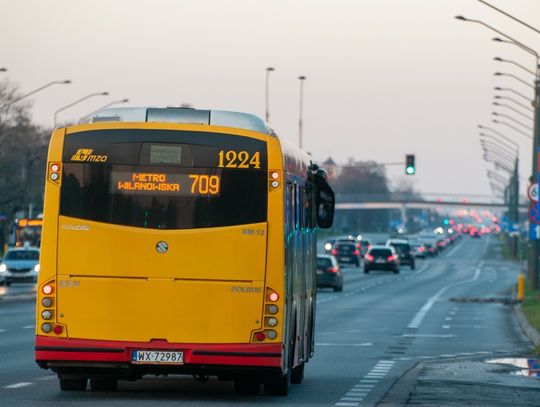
column 149, row 183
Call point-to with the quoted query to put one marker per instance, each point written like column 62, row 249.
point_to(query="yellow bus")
column 178, row 241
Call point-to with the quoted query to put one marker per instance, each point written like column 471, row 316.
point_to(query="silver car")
column 19, row 265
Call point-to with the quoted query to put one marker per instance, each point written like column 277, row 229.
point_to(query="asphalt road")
column 380, row 341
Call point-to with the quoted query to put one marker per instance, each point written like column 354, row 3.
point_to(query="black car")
column 329, row 272
column 403, row 249
column 381, row 258
column 346, row 253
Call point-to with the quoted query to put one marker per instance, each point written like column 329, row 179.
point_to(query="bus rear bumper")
column 79, row 355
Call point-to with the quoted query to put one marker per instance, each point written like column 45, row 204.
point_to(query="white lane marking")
column 448, row 319
column 468, row 326
column 429, row 336
column 468, row 319
column 2, row 330
column 362, row 389
column 343, row 344
column 28, row 327
column 347, row 404
column 47, row 377
column 17, row 385
column 451, row 252
column 446, row 326
column 421, row 314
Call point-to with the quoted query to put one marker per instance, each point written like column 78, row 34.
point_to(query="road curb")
column 21, row 297
column 399, row 393
column 527, row 329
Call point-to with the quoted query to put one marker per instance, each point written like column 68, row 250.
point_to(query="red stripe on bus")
column 86, row 350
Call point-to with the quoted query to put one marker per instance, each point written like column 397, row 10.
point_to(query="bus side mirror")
column 325, row 201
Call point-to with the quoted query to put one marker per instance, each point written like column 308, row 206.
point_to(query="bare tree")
column 23, row 150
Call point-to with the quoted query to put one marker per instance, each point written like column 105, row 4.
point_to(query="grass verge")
column 531, row 308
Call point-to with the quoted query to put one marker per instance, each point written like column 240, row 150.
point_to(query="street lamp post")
column 509, row 140
column 500, row 142
column 498, row 59
column 7, row 105
column 76, row 102
column 3, row 69
column 514, row 101
column 515, row 92
column 517, row 78
column 512, row 109
column 302, row 79
column 513, row 128
column 511, row 118
column 267, row 111
column 89, row 115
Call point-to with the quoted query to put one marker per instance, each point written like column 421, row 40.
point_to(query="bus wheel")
column 297, row 374
column 247, row 386
column 73, row 384
column 103, row 384
column 278, row 386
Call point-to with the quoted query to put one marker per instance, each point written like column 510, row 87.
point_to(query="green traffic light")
column 410, row 170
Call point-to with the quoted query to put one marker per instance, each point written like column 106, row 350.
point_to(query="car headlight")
column 3, row 268
column 328, row 246
column 36, row 267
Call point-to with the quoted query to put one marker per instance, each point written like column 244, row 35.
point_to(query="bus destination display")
column 123, row 182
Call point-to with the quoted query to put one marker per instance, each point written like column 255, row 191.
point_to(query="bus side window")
column 295, row 205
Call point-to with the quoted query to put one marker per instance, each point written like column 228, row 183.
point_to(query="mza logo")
column 85, row 154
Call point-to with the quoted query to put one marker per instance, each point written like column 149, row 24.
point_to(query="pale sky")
column 385, row 78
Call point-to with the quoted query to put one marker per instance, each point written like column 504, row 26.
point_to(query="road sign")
column 534, row 214
column 533, row 192
column 534, row 231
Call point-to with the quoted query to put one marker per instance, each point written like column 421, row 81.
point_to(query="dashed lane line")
column 359, row 391
column 17, row 385
column 421, row 314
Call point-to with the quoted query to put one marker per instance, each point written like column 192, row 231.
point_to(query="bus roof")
column 183, row 115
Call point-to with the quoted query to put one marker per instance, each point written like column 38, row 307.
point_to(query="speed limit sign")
column 533, row 192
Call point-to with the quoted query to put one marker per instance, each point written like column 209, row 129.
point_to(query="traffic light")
column 410, row 169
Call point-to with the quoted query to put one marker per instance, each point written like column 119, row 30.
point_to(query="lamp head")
column 498, row 59
column 270, row 69
column 461, row 18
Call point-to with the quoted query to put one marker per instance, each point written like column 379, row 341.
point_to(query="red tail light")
column 358, row 246
column 334, row 251
column 356, row 253
column 369, row 257
column 391, row 258
column 332, row 269
column 421, row 248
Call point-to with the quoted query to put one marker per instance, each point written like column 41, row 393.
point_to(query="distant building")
column 331, row 168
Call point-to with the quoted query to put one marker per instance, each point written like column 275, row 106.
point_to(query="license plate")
column 157, row 357
column 379, row 261
column 346, row 258
column 319, row 272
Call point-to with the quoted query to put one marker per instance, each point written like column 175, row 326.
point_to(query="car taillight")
column 356, row 253
column 332, row 269
column 391, row 258
column 369, row 257
column 358, row 246
column 334, row 251
column 421, row 248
